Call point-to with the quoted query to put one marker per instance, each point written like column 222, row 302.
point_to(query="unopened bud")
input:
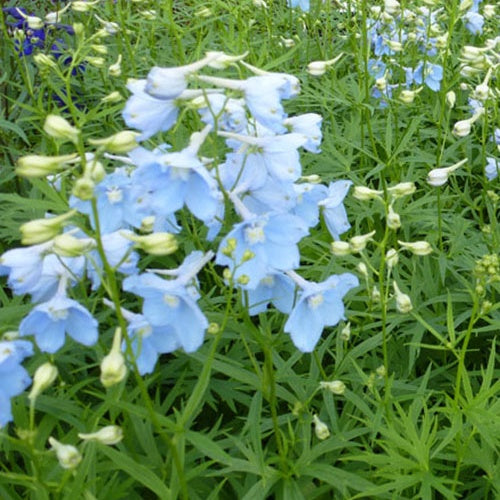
column 320, row 428
column 67, row 455
column 335, row 386
column 44, row 376
column 59, row 128
column 345, row 333
column 417, row 247
column 488, row 11
column 220, row 60
column 154, row 243
column 66, row 245
column 100, row 49
column 83, row 188
column 364, row 193
column 358, row 243
column 45, row 61
column 363, row 269
column 41, row 230
column 402, row 189
column 121, row 142
column 318, row 68
column 393, row 219
column 392, row 7
column 403, row 301
column 439, row 176
column 112, row 97
column 113, row 367
column 111, row 434
column 391, row 258
column 97, row 61
column 33, row 166
column 116, row 68
column 340, row 248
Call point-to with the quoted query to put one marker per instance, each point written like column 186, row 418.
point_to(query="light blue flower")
column 431, row 76
column 492, row 168
column 474, row 22
column 275, row 288
column 309, row 125
column 50, row 321
column 229, row 113
column 334, row 213
column 14, row 379
column 24, row 267
column 117, row 248
column 376, row 68
column 149, row 341
column 260, row 245
column 146, row 113
column 319, row 305
column 112, row 201
column 169, row 303
column 307, row 197
column 301, row 4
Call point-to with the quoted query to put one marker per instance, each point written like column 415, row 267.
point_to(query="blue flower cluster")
column 256, row 186
column 31, row 32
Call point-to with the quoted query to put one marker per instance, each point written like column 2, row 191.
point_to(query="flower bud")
column 69, row 457
column 96, row 61
column 116, row 68
column 375, row 295
column 80, row 6
column 113, row 367
column 44, row 376
column 59, row 128
column 392, row 7
column 465, row 5
column 33, row 166
column 150, row 14
column 363, row 269
column 403, row 301
column 83, row 188
column 335, row 386
column 259, row 3
column 381, row 83
column 41, row 230
column 407, row 96
column 45, row 61
column 100, row 49
column 345, row 333
column 318, row 68
column 417, row 247
column 55, row 17
column 220, row 60
column 358, row 243
column 402, row 189
column 121, row 142
column 111, row 434
column 439, row 176
column 393, row 219
column 391, row 258
column 112, row 97
column 320, row 428
column 364, row 193
column 66, row 245
column 155, row 243
column 340, row 248
column 451, row 99
column 488, row 11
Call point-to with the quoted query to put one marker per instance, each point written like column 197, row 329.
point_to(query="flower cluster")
column 134, row 209
column 30, row 31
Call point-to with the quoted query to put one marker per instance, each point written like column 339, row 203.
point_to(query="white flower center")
column 115, row 195
column 171, row 300
column 255, row 235
column 315, row 300
column 58, row 314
